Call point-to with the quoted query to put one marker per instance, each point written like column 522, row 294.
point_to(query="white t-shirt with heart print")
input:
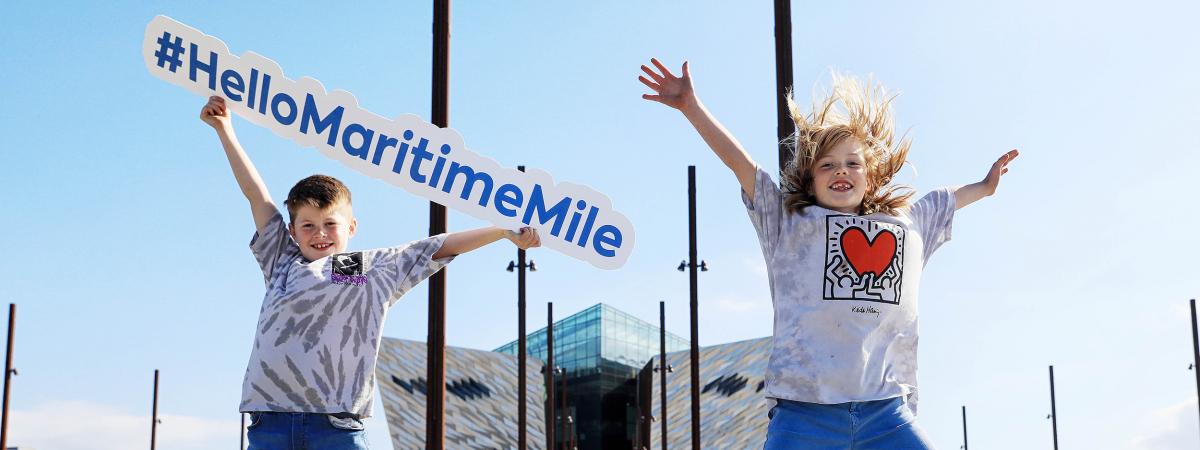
column 844, row 289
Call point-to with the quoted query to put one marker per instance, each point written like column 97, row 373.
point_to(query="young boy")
column 311, row 374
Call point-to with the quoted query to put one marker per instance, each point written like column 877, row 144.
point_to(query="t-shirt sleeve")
column 933, row 216
column 412, row 262
column 765, row 210
column 272, row 245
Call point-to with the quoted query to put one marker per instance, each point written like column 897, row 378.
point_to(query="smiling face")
column 323, row 232
column 839, row 177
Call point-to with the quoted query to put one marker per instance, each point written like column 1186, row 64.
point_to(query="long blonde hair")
column 850, row 110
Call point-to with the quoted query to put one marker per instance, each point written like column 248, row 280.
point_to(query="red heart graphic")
column 865, row 256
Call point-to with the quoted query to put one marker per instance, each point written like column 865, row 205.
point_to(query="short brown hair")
column 318, row 191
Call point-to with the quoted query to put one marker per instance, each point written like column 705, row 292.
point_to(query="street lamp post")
column 549, row 370
column 520, row 267
column 693, row 279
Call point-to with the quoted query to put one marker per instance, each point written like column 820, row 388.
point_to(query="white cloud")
column 75, row 425
column 1172, row 427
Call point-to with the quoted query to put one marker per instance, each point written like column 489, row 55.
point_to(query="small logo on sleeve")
column 348, row 269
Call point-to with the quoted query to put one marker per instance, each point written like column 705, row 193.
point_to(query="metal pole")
column 8, row 371
column 435, row 399
column 692, row 279
column 642, row 424
column 521, row 345
column 662, row 368
column 1195, row 351
column 154, row 413
column 1053, row 411
column 566, row 412
column 550, row 416
column 242, row 437
column 965, row 428
column 783, row 77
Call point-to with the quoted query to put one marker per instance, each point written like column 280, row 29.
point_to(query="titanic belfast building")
column 608, row 382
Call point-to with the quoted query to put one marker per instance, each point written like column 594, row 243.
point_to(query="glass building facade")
column 601, row 349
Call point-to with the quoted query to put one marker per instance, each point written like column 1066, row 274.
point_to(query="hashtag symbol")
column 169, row 51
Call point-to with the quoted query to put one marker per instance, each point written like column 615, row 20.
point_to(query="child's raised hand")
column 669, row 89
column 215, row 114
column 1000, row 167
column 526, row 238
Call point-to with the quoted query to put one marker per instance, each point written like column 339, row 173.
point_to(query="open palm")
column 1000, row 167
column 669, row 89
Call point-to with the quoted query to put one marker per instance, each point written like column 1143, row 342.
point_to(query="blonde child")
column 844, row 252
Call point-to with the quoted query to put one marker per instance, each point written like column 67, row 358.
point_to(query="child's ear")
column 353, row 226
column 292, row 231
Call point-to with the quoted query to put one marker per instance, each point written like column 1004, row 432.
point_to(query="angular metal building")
column 612, row 392
column 733, row 410
column 481, row 397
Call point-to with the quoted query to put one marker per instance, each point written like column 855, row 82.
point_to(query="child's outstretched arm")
column 677, row 93
column 968, row 194
column 465, row 241
column 216, row 115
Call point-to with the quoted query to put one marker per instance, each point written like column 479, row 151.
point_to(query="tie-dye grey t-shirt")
column 845, row 289
column 321, row 321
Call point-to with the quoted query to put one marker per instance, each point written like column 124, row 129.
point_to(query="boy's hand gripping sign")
column 408, row 152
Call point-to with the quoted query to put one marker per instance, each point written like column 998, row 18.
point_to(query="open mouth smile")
column 841, row 186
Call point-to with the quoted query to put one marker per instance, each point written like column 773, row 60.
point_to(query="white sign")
column 408, row 152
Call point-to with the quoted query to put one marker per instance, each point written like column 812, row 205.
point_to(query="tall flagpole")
column 964, row 410
column 1195, row 350
column 154, row 413
column 9, row 371
column 783, row 77
column 662, row 369
column 435, row 400
column 693, row 283
column 1053, row 410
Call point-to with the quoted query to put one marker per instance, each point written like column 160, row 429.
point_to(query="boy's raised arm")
column 966, row 195
column 465, row 241
column 216, row 115
column 677, row 93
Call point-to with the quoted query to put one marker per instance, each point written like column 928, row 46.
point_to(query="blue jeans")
column 304, row 431
column 880, row 424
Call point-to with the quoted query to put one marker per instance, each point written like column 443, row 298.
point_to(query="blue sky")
column 128, row 235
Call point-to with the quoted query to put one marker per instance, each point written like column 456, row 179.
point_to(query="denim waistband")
column 340, row 415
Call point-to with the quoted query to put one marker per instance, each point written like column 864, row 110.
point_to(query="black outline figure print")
column 864, row 260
